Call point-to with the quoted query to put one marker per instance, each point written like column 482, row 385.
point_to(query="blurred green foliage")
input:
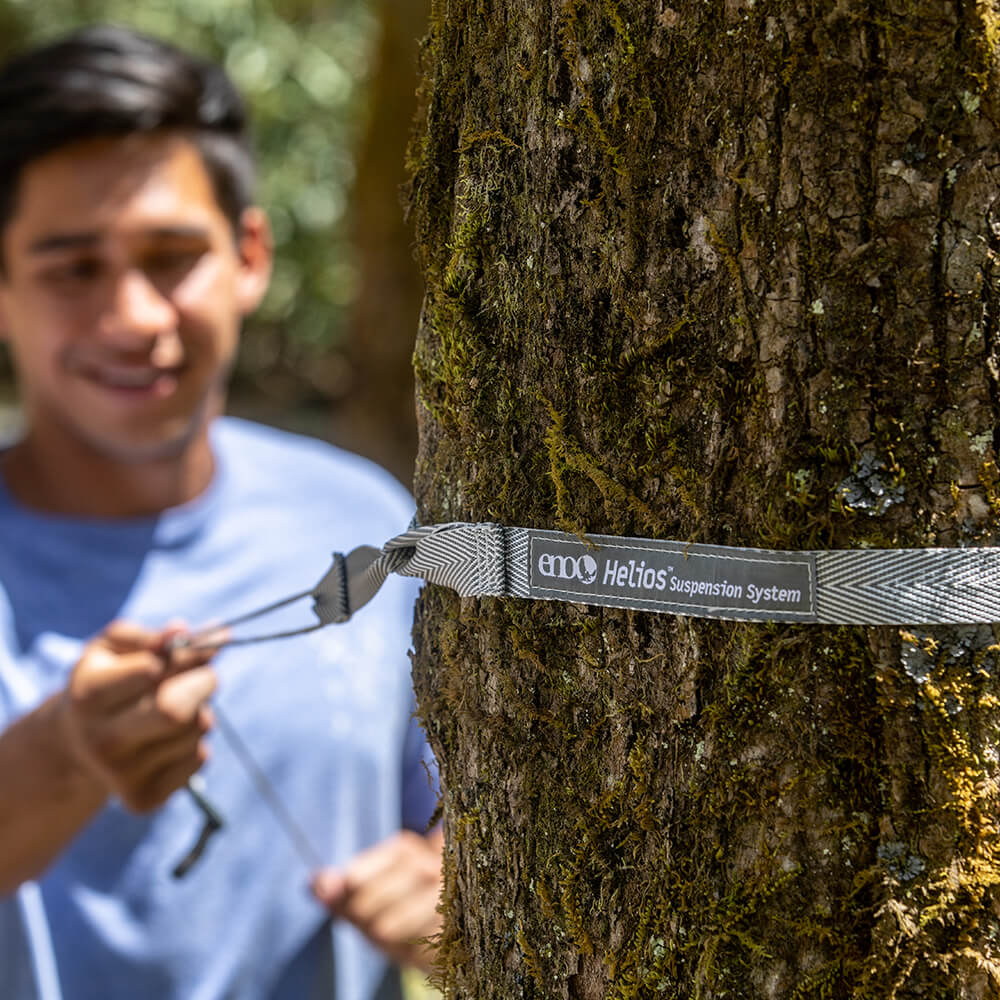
column 304, row 69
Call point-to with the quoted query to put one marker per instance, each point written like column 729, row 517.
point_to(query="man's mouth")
column 139, row 380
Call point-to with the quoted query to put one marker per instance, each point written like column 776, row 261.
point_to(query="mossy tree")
column 725, row 271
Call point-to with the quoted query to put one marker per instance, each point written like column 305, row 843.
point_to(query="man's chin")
column 141, row 453
column 165, row 440
column 165, row 446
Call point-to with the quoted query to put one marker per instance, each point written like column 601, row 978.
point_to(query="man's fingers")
column 329, row 886
column 401, row 927
column 134, row 713
column 144, row 755
column 405, row 850
column 365, row 902
column 160, row 786
column 369, row 864
column 126, row 637
column 142, row 767
column 180, row 697
column 105, row 681
column 183, row 657
column 124, row 662
column 399, row 918
column 121, row 743
column 176, row 702
column 172, row 708
column 390, row 893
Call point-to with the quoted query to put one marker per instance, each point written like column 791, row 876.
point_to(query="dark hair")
column 105, row 81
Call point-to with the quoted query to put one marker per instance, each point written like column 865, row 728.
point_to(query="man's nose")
column 138, row 312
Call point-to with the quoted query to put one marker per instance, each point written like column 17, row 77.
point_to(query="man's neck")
column 52, row 478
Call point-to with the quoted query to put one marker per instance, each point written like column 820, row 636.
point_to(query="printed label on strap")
column 705, row 580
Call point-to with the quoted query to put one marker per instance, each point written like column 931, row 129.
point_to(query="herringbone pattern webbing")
column 908, row 586
column 863, row 586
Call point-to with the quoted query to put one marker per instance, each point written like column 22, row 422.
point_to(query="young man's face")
column 122, row 294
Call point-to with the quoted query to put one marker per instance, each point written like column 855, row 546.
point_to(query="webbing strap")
column 848, row 586
column 851, row 586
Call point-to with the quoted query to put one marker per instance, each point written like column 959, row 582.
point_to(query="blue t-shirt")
column 328, row 715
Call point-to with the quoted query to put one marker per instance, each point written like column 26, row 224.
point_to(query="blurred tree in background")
column 307, row 71
column 377, row 417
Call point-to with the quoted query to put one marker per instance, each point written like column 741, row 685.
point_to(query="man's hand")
column 129, row 723
column 134, row 713
column 390, row 892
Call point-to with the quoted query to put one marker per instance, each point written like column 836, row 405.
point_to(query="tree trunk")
column 722, row 272
column 377, row 418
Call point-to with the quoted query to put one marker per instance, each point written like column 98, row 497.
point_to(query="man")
column 130, row 251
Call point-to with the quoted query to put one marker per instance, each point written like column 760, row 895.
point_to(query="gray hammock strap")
column 847, row 586
column 908, row 586
column 862, row 586
column 474, row 560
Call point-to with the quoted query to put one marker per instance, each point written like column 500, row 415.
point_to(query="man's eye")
column 171, row 261
column 76, row 271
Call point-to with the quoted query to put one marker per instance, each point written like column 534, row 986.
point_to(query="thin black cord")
column 199, row 639
column 213, row 820
column 247, row 640
column 265, row 788
column 261, row 611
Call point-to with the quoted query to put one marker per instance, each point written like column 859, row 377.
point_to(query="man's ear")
column 255, row 247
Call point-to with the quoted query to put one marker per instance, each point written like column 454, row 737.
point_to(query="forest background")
column 331, row 89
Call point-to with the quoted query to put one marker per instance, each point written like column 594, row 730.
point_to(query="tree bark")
column 723, row 272
column 377, row 417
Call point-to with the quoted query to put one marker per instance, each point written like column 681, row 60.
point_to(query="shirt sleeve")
column 420, row 778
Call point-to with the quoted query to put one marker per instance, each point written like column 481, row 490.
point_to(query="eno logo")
column 582, row 568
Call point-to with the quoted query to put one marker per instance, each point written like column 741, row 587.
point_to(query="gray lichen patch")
column 872, row 487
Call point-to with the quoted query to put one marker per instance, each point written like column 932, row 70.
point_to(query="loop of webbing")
column 471, row 559
column 857, row 586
